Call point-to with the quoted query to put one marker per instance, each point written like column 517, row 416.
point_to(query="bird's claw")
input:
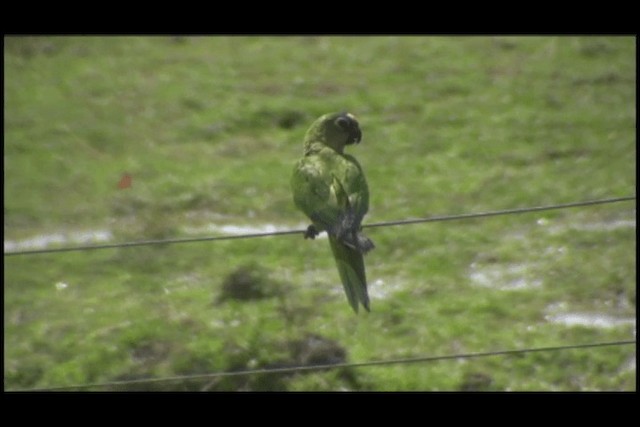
column 311, row 232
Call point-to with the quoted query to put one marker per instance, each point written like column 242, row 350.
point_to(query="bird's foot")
column 365, row 244
column 311, row 232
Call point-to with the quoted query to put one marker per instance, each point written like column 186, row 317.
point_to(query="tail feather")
column 350, row 263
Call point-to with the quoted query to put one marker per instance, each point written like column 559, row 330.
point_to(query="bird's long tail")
column 350, row 263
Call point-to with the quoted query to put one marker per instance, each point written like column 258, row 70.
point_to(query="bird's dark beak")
column 355, row 136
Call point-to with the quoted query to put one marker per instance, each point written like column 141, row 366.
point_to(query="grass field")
column 209, row 128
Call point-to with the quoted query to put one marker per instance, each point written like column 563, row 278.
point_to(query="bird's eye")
column 343, row 122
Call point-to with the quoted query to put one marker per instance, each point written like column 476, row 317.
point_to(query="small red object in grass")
column 125, row 181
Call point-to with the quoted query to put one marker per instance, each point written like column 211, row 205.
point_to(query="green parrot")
column 330, row 188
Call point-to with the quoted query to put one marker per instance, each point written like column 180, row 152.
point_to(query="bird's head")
column 335, row 130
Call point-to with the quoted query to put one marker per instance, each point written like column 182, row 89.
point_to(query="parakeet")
column 329, row 186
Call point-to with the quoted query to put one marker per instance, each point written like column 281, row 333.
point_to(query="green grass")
column 209, row 129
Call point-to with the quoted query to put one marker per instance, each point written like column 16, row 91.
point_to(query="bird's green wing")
column 356, row 187
column 313, row 194
column 347, row 252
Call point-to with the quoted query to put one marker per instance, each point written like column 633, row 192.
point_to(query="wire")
column 502, row 212
column 295, row 369
column 299, row 231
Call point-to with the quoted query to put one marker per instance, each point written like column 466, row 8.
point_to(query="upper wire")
column 299, row 231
